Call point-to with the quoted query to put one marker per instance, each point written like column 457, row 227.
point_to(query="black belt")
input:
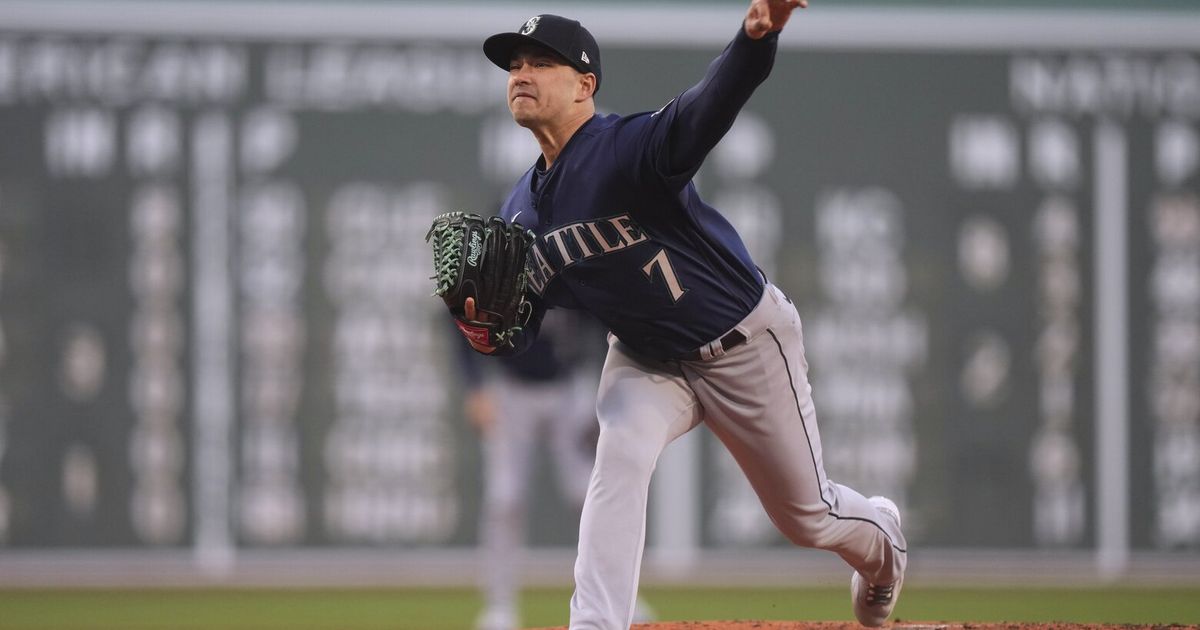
column 731, row 340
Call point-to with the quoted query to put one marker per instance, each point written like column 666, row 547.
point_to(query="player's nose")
column 518, row 78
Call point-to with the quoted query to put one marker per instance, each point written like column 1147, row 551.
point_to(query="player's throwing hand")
column 768, row 16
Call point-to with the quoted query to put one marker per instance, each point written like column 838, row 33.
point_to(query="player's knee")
column 620, row 449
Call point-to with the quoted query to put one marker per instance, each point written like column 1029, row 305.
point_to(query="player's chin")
column 523, row 116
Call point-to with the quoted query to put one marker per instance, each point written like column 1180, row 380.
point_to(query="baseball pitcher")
column 697, row 333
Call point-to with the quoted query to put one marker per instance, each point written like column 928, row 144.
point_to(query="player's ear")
column 587, row 86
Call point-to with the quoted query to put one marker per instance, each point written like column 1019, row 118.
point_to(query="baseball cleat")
column 873, row 603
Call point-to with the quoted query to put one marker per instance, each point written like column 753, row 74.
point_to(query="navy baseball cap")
column 566, row 37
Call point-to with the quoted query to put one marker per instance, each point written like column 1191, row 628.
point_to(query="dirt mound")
column 899, row 625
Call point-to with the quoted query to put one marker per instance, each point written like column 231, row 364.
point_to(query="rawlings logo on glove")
column 476, row 246
column 485, row 260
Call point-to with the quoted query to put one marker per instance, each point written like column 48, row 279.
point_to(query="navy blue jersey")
column 621, row 231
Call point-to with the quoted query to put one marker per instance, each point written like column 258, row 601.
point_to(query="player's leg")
column 642, row 406
column 757, row 401
column 506, row 453
column 573, row 438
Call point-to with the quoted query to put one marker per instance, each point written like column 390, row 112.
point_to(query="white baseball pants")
column 757, row 400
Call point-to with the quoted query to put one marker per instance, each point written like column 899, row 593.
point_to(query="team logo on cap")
column 531, row 25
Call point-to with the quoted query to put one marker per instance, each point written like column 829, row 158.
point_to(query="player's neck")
column 554, row 137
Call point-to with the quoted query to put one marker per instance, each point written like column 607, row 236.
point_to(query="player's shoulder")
column 622, row 129
column 604, row 124
column 615, row 122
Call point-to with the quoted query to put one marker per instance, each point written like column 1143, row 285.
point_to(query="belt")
column 729, row 341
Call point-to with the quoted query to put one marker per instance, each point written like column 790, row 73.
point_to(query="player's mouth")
column 522, row 95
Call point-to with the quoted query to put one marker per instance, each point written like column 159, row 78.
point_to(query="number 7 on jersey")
column 667, row 272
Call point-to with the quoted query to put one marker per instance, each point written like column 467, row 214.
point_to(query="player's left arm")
column 702, row 115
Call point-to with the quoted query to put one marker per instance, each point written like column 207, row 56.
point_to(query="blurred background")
column 220, row 361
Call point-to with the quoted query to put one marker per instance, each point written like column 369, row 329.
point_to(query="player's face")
column 542, row 87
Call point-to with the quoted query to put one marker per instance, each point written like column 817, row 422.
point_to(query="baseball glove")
column 484, row 259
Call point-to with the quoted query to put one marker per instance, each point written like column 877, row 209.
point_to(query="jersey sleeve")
column 672, row 143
